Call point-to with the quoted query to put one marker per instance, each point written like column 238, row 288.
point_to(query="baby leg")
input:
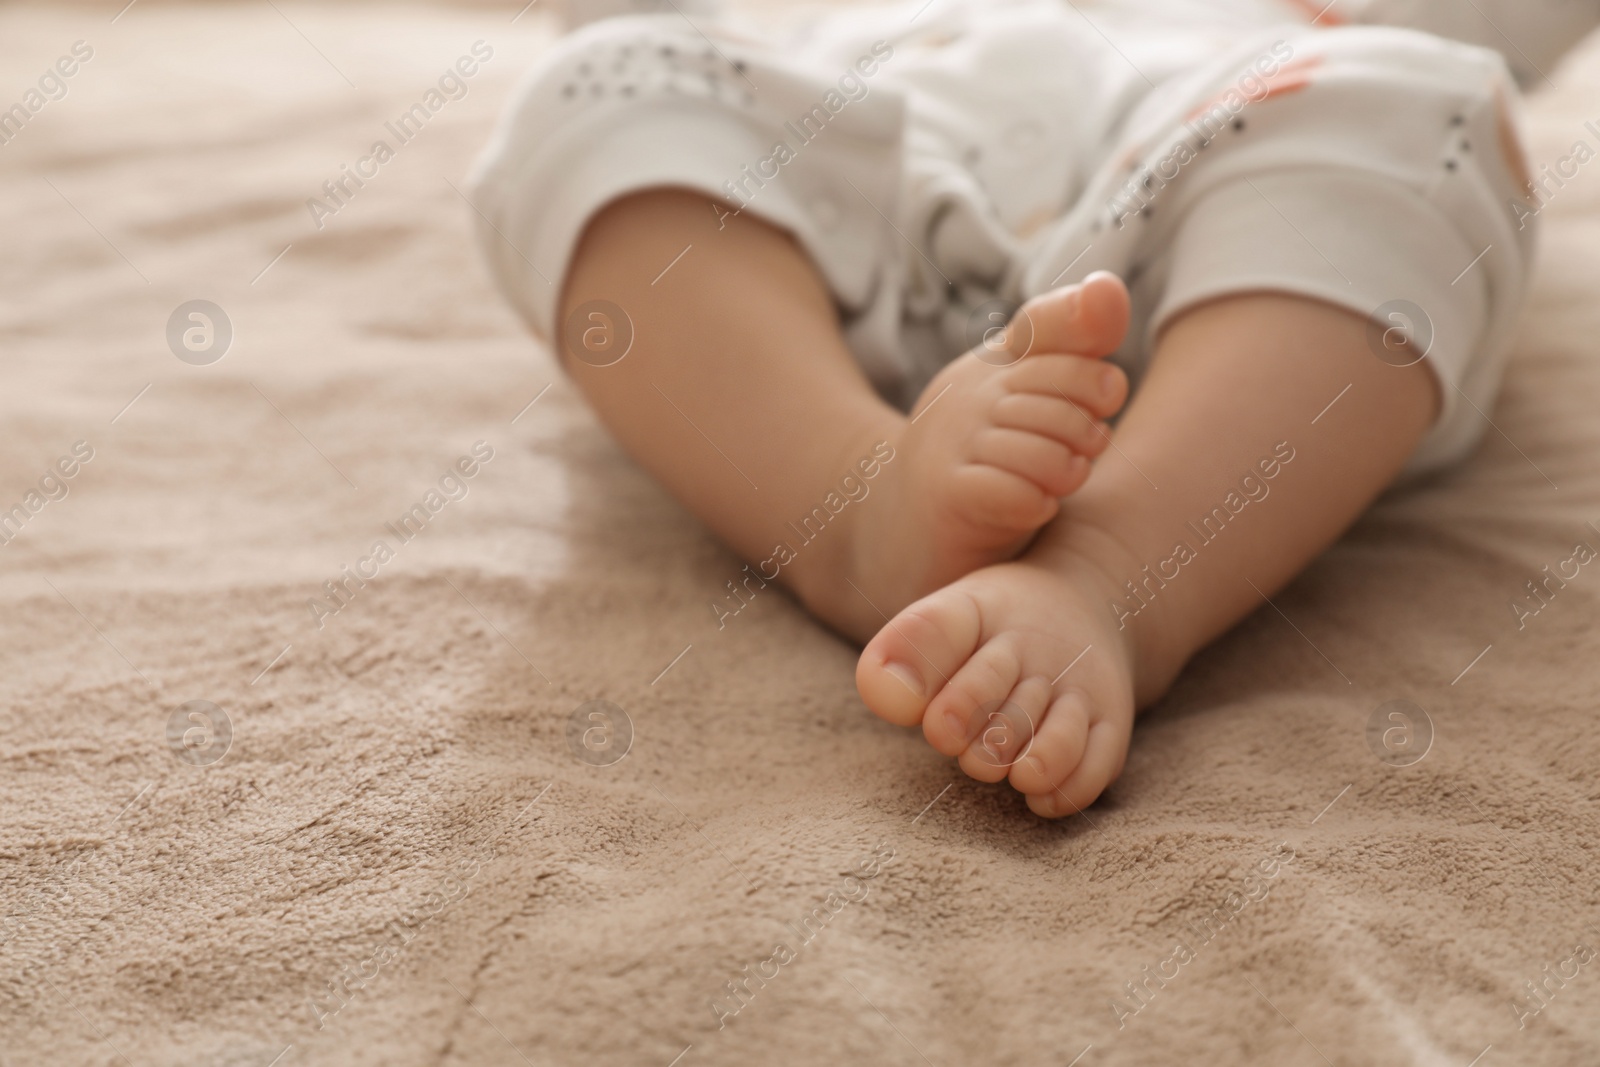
column 1296, row 374
column 739, row 394
column 1265, row 427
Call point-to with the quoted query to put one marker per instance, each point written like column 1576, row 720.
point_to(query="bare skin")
column 982, row 665
column 739, row 395
column 1020, row 666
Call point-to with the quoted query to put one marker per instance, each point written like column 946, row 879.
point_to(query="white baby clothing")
column 943, row 161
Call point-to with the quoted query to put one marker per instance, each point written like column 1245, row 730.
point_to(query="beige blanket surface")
column 372, row 840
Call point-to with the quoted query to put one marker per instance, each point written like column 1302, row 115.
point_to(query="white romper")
column 942, row 162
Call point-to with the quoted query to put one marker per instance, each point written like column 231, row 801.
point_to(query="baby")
column 1283, row 246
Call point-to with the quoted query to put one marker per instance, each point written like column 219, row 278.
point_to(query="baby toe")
column 1088, row 319
column 913, row 656
column 1057, row 747
column 1104, row 311
column 1006, row 731
column 1052, row 413
column 990, row 496
column 1048, row 464
column 1103, row 756
column 957, row 715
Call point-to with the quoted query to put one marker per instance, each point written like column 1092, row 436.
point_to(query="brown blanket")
column 270, row 795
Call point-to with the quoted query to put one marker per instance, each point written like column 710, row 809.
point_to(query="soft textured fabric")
column 943, row 164
column 186, row 915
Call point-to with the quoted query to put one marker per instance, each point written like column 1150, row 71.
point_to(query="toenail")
column 960, row 725
column 1074, row 302
column 1035, row 765
column 1108, row 380
column 905, row 676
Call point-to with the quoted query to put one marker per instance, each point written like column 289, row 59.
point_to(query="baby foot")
column 1020, row 671
column 996, row 440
